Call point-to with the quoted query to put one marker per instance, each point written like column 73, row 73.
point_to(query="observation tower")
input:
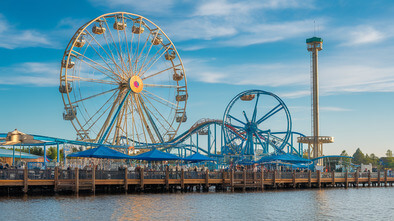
column 315, row 142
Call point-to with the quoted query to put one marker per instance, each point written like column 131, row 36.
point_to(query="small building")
column 6, row 156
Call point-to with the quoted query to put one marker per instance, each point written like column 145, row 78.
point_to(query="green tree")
column 389, row 153
column 358, row 157
column 344, row 153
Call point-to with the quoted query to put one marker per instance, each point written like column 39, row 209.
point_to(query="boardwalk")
column 76, row 180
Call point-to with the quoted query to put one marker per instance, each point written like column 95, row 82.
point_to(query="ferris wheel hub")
column 135, row 84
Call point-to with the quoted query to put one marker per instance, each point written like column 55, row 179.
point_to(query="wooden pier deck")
column 76, row 180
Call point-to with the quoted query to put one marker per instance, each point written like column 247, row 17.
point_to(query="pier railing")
column 88, row 178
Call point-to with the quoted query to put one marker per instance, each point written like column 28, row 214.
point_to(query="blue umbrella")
column 101, row 152
column 197, row 157
column 290, row 158
column 155, row 155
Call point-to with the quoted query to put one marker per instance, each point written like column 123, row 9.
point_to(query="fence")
column 49, row 174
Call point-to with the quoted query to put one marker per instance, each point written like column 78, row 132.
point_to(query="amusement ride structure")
column 123, row 85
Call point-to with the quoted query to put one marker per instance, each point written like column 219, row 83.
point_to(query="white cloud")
column 139, row 7
column 362, row 34
column 274, row 75
column 334, row 109
column 295, row 94
column 11, row 38
column 30, row 74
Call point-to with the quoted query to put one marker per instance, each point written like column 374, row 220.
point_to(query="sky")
column 226, row 47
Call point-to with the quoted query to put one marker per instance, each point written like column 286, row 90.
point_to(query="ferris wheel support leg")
column 114, row 118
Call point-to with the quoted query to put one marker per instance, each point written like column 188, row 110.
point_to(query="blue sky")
column 227, row 47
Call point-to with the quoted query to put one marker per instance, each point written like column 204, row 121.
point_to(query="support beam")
column 294, row 179
column 167, row 178
column 25, row 180
column 207, row 179
column 333, row 178
column 262, row 179
column 76, row 188
column 309, row 178
column 244, row 180
column 274, row 179
column 94, row 179
column 142, row 178
column 182, row 179
column 126, row 184
column 346, row 180
column 56, row 187
column 232, row 180
column 385, row 178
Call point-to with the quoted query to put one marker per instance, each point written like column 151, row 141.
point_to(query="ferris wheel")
column 256, row 122
column 122, row 82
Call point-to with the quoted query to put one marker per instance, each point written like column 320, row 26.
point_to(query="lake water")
column 310, row 204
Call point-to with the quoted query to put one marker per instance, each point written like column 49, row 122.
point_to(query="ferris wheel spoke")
column 272, row 112
column 144, row 124
column 118, row 125
column 174, row 106
column 231, row 116
column 154, row 62
column 117, row 49
column 173, row 67
column 120, row 48
column 109, row 116
column 98, row 111
column 133, row 123
column 128, row 51
column 95, row 63
column 111, row 57
column 135, row 54
column 114, row 118
column 151, row 120
column 109, row 47
column 258, row 138
column 72, row 78
column 93, row 96
column 255, row 109
column 246, row 117
column 162, row 86
column 140, row 53
column 158, row 113
column 150, row 60
column 95, row 50
column 150, row 47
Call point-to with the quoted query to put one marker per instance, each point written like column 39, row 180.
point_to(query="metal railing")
column 11, row 174
column 49, row 174
column 215, row 175
column 110, row 174
column 154, row 175
column 41, row 174
column 326, row 175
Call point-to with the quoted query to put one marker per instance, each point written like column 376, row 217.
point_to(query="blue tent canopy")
column 197, row 157
column 18, row 154
column 101, row 152
column 290, row 158
column 246, row 162
column 155, row 155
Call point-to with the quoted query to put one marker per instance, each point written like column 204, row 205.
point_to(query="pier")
column 75, row 180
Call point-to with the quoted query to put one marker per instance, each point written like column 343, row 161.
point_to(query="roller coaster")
column 124, row 86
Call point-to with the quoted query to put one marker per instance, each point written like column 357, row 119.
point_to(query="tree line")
column 360, row 158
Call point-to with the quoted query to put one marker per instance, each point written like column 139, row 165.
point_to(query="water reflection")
column 314, row 204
